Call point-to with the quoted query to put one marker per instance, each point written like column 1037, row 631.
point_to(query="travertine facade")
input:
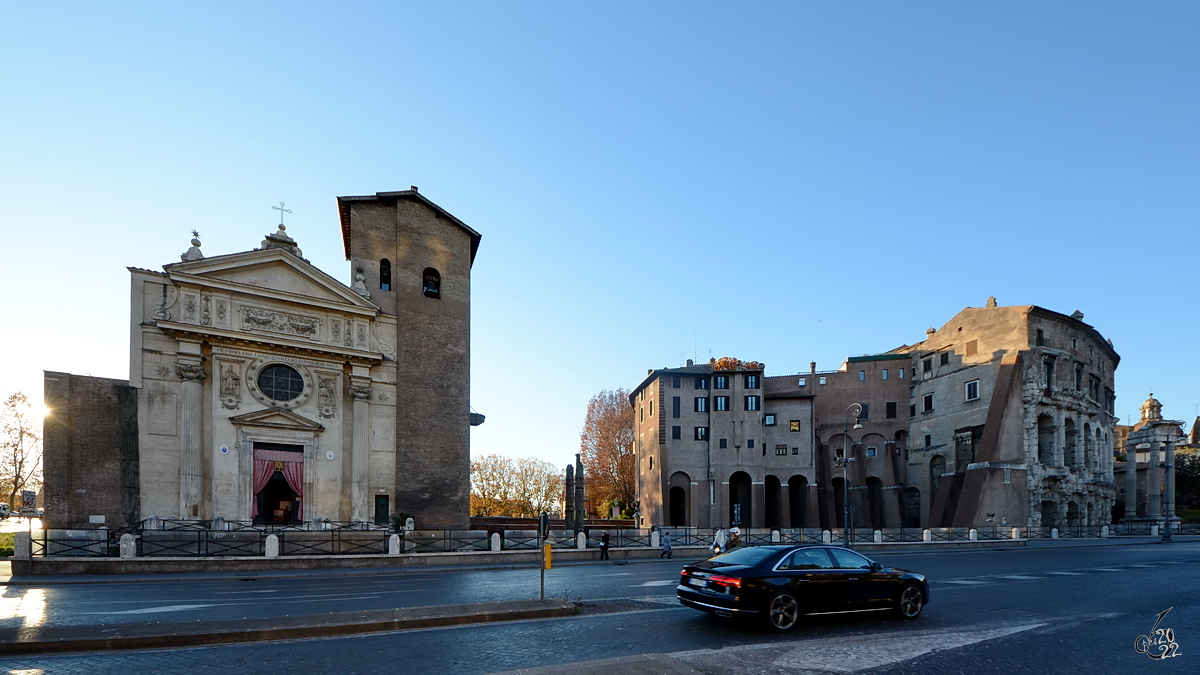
column 1004, row 415
column 266, row 390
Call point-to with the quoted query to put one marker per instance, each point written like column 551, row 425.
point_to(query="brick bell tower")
column 415, row 259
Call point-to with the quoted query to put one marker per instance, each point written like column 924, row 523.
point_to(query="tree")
column 606, row 446
column 517, row 488
column 1187, row 480
column 20, row 448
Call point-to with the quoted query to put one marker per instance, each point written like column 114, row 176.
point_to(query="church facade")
column 262, row 389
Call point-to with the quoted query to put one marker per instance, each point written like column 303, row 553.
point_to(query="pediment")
column 269, row 273
column 276, row 418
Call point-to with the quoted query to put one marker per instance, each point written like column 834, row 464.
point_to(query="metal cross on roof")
column 281, row 211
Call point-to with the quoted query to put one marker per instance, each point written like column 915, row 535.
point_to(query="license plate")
column 697, row 582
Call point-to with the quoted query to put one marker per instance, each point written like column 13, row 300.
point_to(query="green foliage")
column 6, row 544
column 1187, row 480
column 399, row 518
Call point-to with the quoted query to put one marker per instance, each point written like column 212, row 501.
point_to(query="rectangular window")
column 870, row 451
column 676, row 381
column 701, row 403
column 902, row 373
column 885, row 373
column 769, row 419
column 862, row 375
column 752, row 403
column 912, row 410
column 945, row 356
column 651, row 462
column 652, row 407
column 701, row 433
column 1048, row 374
column 675, row 406
column 794, row 425
column 1074, row 343
column 781, row 450
column 866, row 411
column 891, row 410
column 928, row 441
column 803, row 382
column 1041, row 338
column 927, row 403
column 720, row 382
column 749, row 443
column 721, row 403
column 752, row 382
column 641, row 413
column 972, row 347
column 821, row 380
column 972, row 390
column 795, row 451
column 676, row 433
column 722, row 443
column 702, row 383
column 1078, row 377
column 927, row 365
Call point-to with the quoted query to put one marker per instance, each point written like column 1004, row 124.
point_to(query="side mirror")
column 876, row 567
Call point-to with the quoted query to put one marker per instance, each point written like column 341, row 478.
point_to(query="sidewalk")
column 50, row 639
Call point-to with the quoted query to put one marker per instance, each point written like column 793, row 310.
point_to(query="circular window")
column 281, row 383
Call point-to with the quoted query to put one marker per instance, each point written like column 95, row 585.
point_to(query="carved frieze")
column 221, row 311
column 190, row 306
column 280, row 322
column 349, row 339
column 362, row 335
column 206, row 310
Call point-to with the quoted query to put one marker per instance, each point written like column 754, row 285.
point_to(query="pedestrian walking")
column 604, row 546
column 666, row 545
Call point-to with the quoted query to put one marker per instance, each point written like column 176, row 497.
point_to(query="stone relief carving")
column 360, row 393
column 189, row 307
column 189, row 371
column 349, row 341
column 280, row 322
column 335, row 328
column 327, row 395
column 383, row 397
column 205, row 310
column 362, row 335
column 162, row 371
column 160, row 313
column 231, row 390
column 221, row 311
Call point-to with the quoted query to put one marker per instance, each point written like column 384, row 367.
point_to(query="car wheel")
column 783, row 612
column 910, row 601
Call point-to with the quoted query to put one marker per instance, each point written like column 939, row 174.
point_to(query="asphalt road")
column 1061, row 609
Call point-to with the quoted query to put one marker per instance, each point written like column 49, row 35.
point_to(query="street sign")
column 28, row 500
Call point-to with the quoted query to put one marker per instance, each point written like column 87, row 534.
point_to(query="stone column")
column 1169, row 507
column 360, row 392
column 1130, row 482
column 1153, row 498
column 191, row 371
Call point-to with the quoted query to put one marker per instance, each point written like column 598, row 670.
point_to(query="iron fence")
column 797, row 535
column 332, row 542
column 57, row 542
column 201, row 543
column 444, row 541
column 895, row 535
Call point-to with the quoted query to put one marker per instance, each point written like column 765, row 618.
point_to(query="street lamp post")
column 844, row 462
column 1166, row 536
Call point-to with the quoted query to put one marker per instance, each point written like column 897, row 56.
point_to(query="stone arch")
column 773, row 498
column 1049, row 513
column 1045, row 431
column 1072, row 514
column 798, row 500
column 1070, row 439
column 741, row 501
column 912, row 507
column 875, row 501
column 1098, row 458
column 679, row 499
column 1089, row 445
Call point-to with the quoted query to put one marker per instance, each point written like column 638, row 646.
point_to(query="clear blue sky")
column 783, row 182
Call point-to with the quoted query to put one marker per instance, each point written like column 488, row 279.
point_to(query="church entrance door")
column 278, row 502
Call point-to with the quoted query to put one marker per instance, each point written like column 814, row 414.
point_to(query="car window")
column 743, row 556
column 807, row 559
column 849, row 560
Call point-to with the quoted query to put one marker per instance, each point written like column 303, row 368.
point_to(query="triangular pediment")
column 276, row 418
column 270, row 273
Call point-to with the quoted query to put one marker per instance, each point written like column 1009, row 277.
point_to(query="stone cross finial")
column 281, row 211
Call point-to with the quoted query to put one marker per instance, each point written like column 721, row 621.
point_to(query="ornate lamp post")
column 1166, row 536
column 844, row 462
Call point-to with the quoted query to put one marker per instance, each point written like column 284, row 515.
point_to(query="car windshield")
column 742, row 556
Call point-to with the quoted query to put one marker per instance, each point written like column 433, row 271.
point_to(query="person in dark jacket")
column 604, row 546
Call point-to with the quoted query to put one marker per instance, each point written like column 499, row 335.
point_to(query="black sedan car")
column 781, row 583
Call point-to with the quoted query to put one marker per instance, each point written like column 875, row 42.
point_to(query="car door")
column 852, row 589
column 809, row 573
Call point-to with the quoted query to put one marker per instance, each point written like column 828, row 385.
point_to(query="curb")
column 402, row 619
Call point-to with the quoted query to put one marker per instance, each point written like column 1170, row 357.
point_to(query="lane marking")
column 1105, row 569
column 965, row 582
column 155, row 610
column 1067, row 574
column 1019, row 577
column 668, row 582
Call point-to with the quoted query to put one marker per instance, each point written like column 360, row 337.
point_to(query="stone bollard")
column 1153, row 530
column 1104, row 532
column 21, row 546
column 1054, row 533
column 776, row 536
column 878, row 536
column 128, row 547
column 973, row 535
column 495, row 540
column 410, row 524
column 926, row 536
column 826, row 537
column 393, row 544
column 655, row 539
column 1016, row 533
column 272, row 546
column 581, row 541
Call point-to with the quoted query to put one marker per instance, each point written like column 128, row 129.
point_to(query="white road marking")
column 668, row 582
column 1105, row 569
column 1143, row 566
column 1019, row 577
column 1067, row 574
column 849, row 654
column 965, row 582
column 155, row 610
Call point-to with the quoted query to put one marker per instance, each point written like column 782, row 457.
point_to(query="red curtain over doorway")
column 292, row 468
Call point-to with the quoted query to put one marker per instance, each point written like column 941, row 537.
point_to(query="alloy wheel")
column 783, row 612
column 911, row 602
